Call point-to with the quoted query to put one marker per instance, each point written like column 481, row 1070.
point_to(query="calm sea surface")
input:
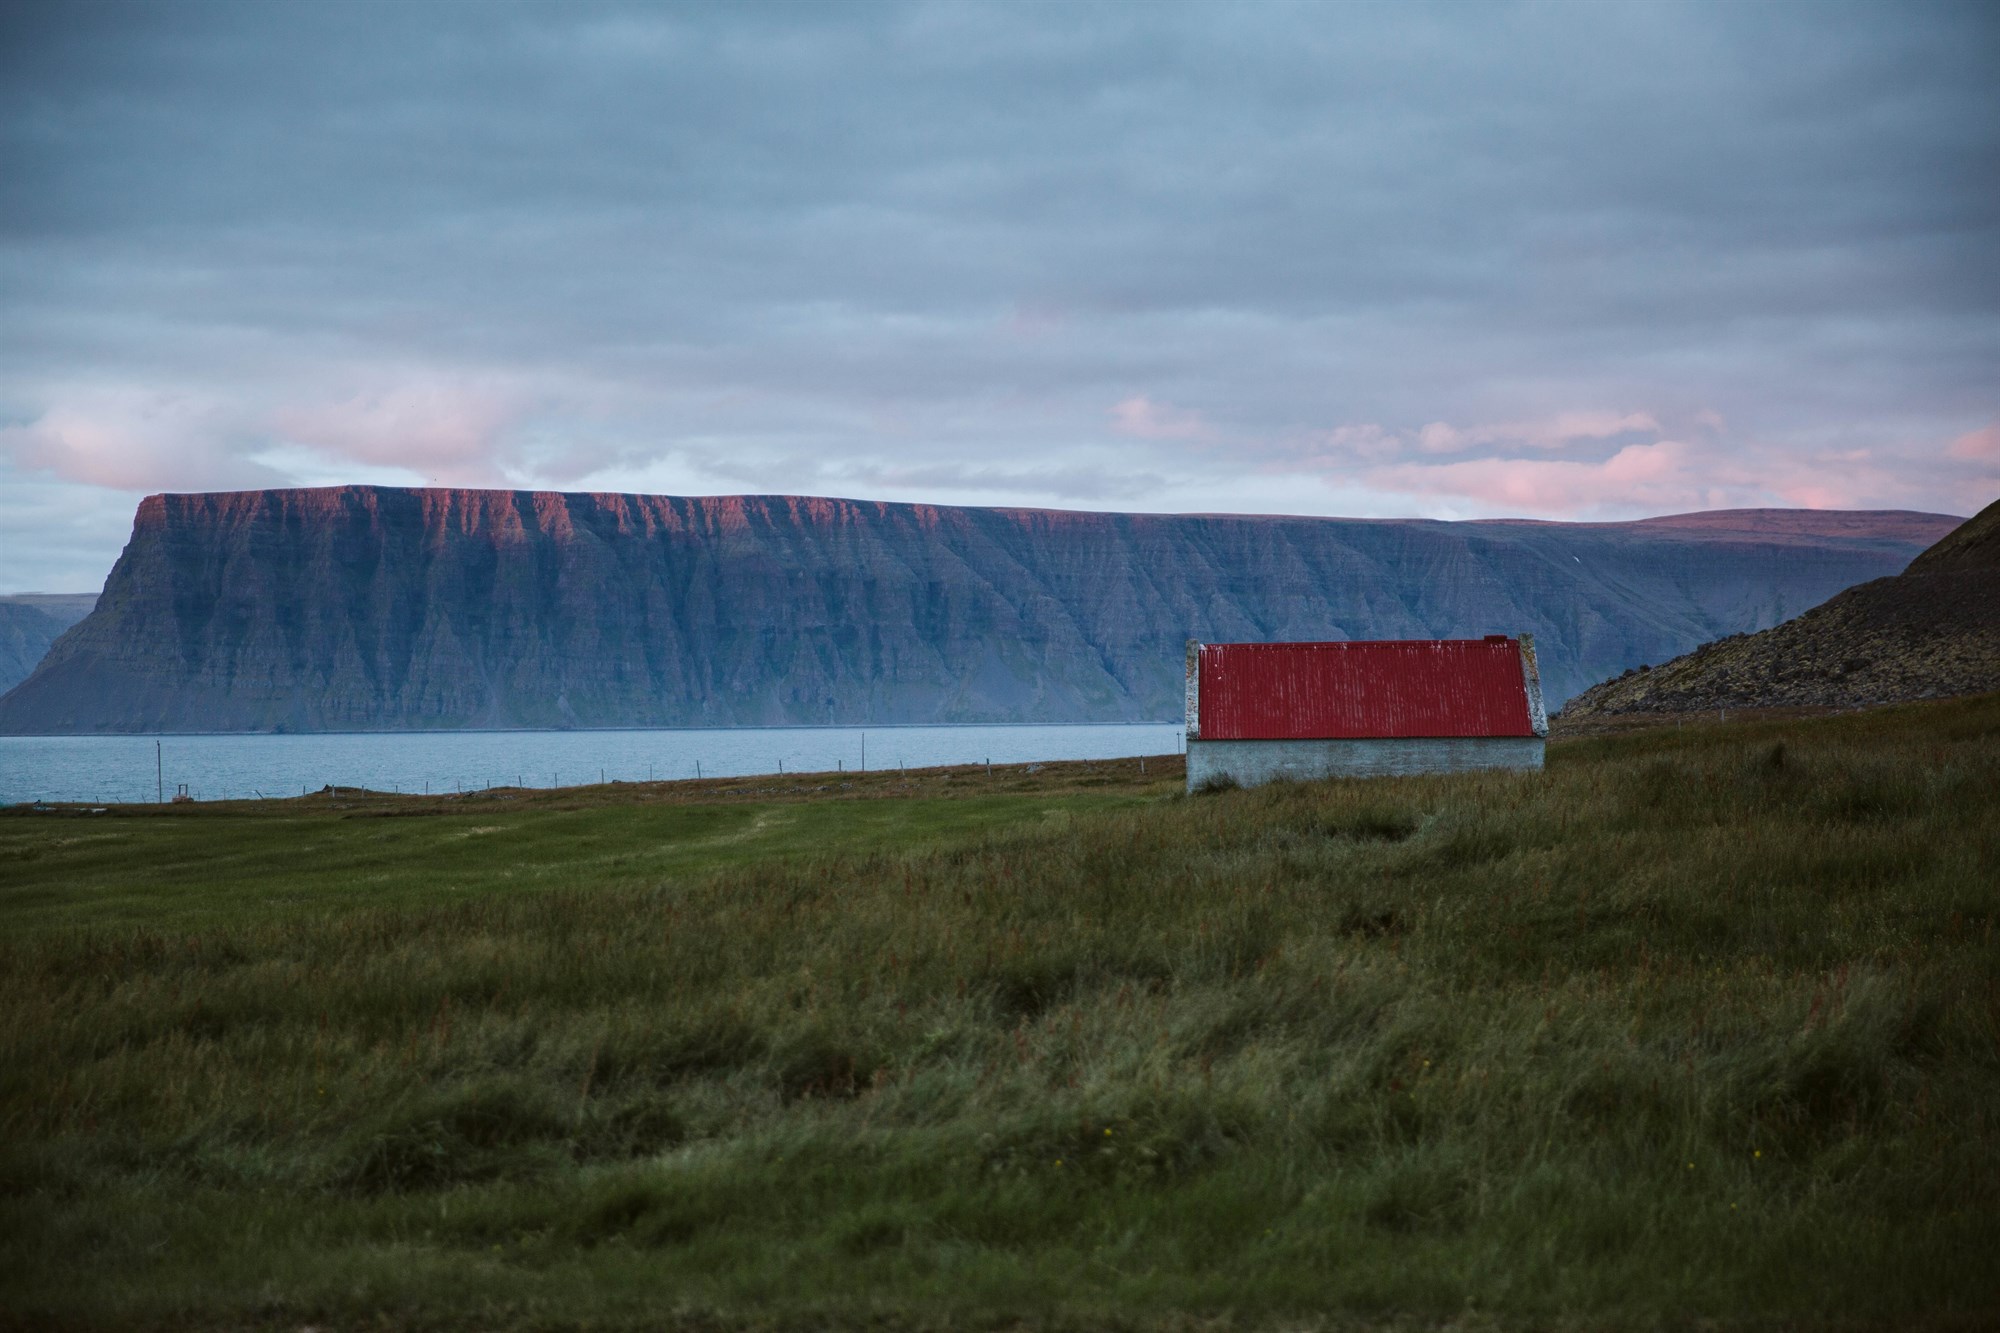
column 108, row 769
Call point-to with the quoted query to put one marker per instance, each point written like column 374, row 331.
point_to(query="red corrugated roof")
column 1373, row 690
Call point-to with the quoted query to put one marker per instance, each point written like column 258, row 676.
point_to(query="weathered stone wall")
column 1252, row 763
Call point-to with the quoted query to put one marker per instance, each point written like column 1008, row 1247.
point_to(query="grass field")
column 1696, row 1025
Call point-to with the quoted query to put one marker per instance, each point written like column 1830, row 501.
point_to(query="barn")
column 1261, row 711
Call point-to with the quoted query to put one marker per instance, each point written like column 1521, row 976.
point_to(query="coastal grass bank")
column 1692, row 1026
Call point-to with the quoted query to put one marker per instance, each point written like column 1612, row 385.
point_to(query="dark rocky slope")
column 1932, row 631
column 29, row 623
column 365, row 607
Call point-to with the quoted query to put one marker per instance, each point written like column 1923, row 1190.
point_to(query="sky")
column 1566, row 261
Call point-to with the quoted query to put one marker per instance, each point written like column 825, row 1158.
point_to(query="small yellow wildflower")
column 1107, row 1133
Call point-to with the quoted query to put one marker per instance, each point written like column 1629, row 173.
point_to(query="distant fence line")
column 200, row 782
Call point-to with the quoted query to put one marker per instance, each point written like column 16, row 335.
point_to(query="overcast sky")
column 1556, row 260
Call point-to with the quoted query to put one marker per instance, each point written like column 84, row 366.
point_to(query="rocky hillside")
column 366, row 607
column 29, row 623
column 1930, row 632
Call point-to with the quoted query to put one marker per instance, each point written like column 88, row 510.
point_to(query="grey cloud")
column 897, row 238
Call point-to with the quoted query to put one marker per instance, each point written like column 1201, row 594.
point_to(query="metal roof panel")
column 1380, row 689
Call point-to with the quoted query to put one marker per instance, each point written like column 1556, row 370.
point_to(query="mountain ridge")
column 385, row 608
column 1932, row 631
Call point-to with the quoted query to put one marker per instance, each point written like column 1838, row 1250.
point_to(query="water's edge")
column 105, row 770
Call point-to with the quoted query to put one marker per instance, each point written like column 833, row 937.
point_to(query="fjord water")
column 112, row 769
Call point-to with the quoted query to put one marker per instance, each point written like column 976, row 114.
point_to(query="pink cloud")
column 1978, row 444
column 132, row 440
column 1441, row 438
column 1371, row 441
column 1702, row 469
column 451, row 431
column 1142, row 418
column 1673, row 475
column 1645, row 476
column 1555, row 432
column 1910, row 475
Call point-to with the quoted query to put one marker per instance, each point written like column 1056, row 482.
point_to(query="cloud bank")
column 1554, row 260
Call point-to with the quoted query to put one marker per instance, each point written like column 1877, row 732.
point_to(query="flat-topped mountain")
column 369, row 607
column 1932, row 631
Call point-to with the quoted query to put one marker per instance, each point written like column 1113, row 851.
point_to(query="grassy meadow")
column 1698, row 1026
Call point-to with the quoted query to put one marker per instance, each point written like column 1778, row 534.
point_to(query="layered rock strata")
column 370, row 607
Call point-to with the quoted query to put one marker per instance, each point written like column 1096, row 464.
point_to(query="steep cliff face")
column 29, row 623
column 365, row 607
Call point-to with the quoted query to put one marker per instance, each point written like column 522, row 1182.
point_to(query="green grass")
column 1696, row 1025
column 224, row 863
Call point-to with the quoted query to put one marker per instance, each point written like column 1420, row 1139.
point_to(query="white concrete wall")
column 1250, row 763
